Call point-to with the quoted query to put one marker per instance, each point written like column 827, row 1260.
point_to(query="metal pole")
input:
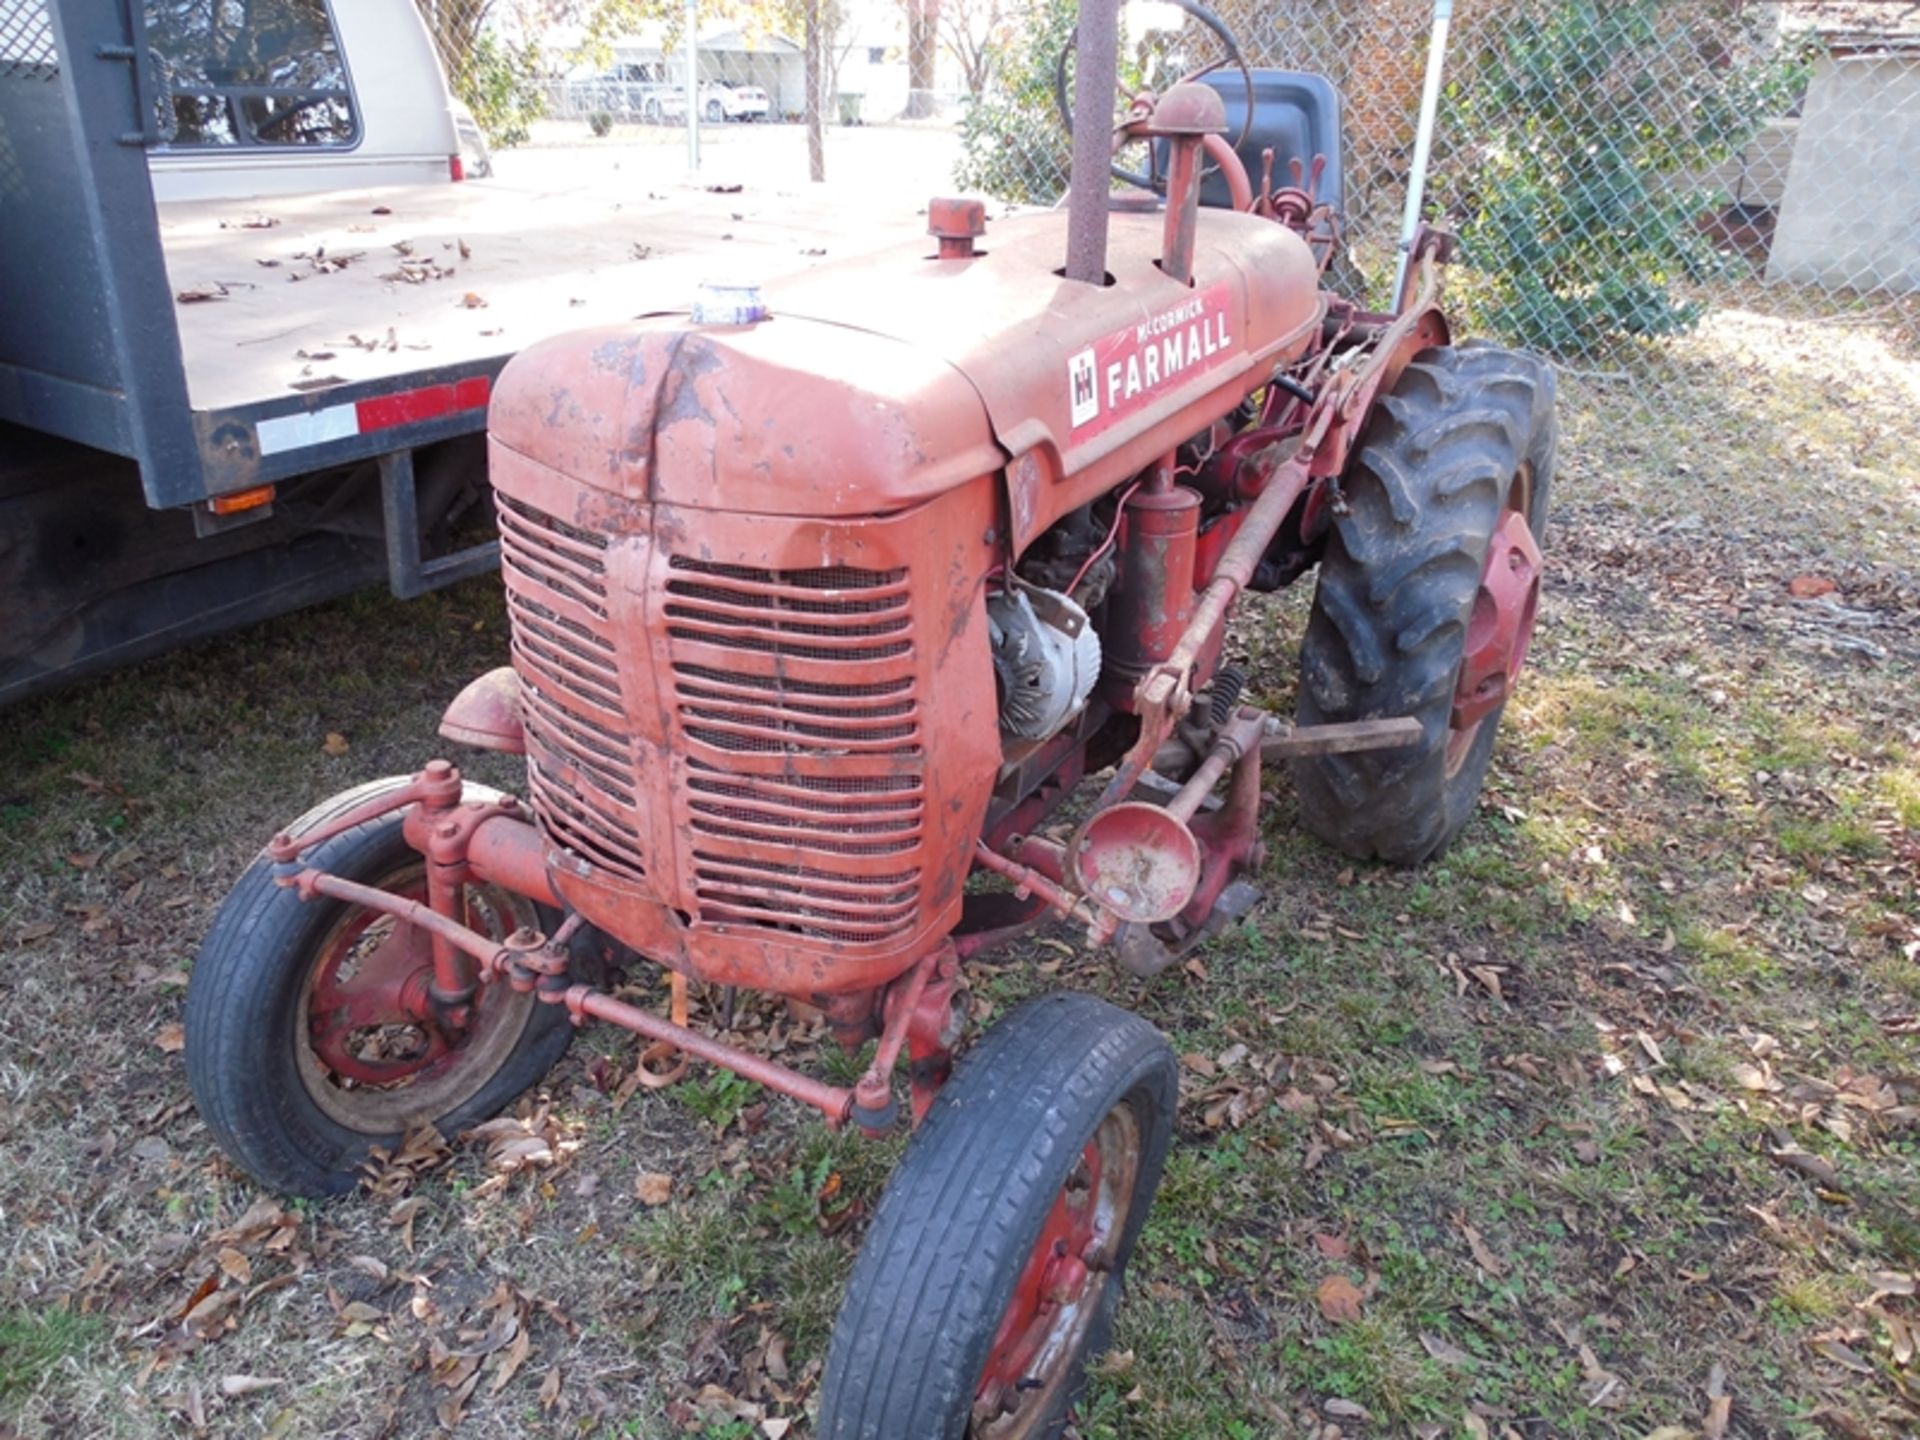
column 1422, row 145
column 691, row 21
column 1096, row 55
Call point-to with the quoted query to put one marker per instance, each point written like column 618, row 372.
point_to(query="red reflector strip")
column 408, row 407
column 342, row 422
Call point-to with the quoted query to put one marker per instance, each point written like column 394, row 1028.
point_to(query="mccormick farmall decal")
column 1127, row 370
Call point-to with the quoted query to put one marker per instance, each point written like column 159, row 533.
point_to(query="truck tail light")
column 456, row 168
column 236, row 501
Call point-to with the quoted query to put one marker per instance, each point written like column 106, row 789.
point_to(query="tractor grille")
column 584, row 783
column 805, row 789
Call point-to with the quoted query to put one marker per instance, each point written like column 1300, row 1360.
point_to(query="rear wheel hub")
column 1498, row 631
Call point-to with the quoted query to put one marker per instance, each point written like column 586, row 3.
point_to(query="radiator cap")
column 728, row 302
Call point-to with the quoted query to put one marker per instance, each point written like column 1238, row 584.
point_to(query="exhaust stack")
column 1096, row 62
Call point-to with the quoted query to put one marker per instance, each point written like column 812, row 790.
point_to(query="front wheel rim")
column 350, row 1041
column 1062, row 1288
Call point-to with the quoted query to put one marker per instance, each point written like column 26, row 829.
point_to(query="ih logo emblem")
column 1146, row 362
column 1083, row 387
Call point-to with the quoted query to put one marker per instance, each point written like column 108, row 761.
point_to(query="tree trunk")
column 816, row 62
column 923, row 44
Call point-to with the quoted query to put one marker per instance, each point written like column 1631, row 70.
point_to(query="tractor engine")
column 796, row 596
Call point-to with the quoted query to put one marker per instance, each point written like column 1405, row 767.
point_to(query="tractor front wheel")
column 302, row 1051
column 1426, row 597
column 995, row 1259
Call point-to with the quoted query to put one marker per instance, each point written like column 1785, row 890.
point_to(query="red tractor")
column 827, row 601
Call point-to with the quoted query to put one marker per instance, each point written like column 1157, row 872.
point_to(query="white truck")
column 269, row 385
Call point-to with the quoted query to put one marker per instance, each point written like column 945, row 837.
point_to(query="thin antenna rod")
column 1422, row 145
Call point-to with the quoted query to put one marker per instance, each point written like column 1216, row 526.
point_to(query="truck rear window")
column 249, row 72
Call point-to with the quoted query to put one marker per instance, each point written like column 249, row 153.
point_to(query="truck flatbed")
column 359, row 287
column 312, row 416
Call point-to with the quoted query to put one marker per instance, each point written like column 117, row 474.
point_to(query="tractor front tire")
column 994, row 1262
column 1452, row 463
column 263, row 1061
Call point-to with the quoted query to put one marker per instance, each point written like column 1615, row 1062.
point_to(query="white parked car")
column 665, row 105
column 732, row 102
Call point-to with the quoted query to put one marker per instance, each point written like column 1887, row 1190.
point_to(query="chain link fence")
column 1623, row 174
column 1619, row 172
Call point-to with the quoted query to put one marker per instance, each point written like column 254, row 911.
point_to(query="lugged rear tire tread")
column 1424, row 492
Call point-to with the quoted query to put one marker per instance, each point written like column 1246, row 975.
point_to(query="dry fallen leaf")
column 172, row 1038
column 403, row 1215
column 510, row 1362
column 1445, row 1352
column 335, row 743
column 1339, row 1299
column 652, row 1188
column 232, row 1385
column 1482, row 1256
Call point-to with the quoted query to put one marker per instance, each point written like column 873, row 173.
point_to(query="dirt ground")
column 1604, row 1125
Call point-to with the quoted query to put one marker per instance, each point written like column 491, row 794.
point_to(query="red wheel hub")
column 368, row 1016
column 1056, row 1275
column 1498, row 631
column 1050, row 1316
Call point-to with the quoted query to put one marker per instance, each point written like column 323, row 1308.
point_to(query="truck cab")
column 285, row 96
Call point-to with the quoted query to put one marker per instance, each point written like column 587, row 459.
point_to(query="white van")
column 281, row 96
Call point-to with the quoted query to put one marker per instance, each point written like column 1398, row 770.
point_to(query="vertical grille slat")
column 798, row 780
column 583, row 778
column 819, row 672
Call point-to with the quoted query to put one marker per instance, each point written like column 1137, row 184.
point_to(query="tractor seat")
column 1294, row 111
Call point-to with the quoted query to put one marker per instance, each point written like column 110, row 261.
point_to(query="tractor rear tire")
column 1466, row 437
column 1047, row 1144
column 258, row 1074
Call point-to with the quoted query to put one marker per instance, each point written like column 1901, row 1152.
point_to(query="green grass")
column 1696, row 845
column 36, row 1343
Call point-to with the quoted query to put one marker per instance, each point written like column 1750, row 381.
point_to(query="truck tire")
column 1425, row 599
column 1045, row 1146
column 258, row 1059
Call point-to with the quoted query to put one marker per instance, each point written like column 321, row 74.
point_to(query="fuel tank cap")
column 728, row 302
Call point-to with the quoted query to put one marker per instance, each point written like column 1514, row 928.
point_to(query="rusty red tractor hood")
column 747, row 567
column 887, row 380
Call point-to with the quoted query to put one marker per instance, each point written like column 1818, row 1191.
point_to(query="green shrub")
column 1012, row 144
column 501, row 85
column 1585, row 133
column 600, row 122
